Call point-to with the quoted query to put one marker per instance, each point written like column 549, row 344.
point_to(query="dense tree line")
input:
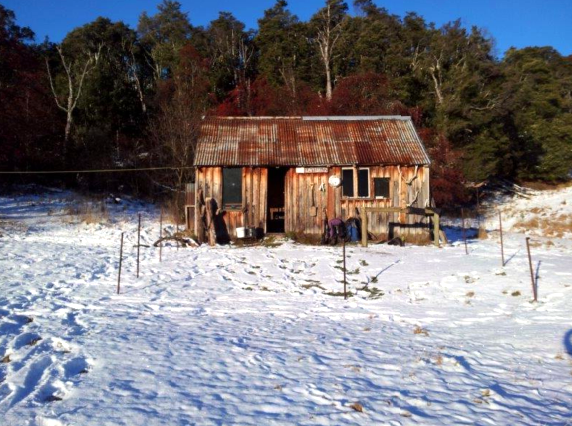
column 112, row 96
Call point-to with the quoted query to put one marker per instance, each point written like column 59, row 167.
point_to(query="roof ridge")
column 315, row 118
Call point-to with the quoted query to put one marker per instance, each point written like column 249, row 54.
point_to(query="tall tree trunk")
column 74, row 88
column 437, row 86
column 328, row 82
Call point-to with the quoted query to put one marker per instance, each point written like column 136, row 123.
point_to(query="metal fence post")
column 138, row 243
column 532, row 280
column 120, row 262
column 161, row 236
column 501, row 239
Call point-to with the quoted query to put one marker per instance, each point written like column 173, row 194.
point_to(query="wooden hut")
column 279, row 174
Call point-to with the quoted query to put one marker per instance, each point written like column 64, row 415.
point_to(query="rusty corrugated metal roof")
column 309, row 141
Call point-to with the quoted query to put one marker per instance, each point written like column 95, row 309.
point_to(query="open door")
column 276, row 200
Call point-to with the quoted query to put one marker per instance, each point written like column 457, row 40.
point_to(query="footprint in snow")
column 26, row 339
column 14, row 324
column 52, row 392
column 37, row 372
column 76, row 366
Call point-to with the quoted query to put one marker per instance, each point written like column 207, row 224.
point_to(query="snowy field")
column 261, row 335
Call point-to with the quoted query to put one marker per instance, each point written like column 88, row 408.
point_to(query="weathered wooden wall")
column 298, row 200
column 409, row 186
column 254, row 189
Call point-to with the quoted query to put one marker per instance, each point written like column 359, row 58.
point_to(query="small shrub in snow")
column 356, row 406
column 53, row 398
column 34, row 341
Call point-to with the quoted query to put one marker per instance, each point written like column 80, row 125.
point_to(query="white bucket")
column 240, row 232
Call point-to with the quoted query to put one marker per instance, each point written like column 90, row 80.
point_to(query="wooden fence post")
column 120, row 262
column 436, row 228
column 501, row 239
column 532, row 280
column 138, row 243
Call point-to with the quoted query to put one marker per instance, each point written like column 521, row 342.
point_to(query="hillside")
column 545, row 213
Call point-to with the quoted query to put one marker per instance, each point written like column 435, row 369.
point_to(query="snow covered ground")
column 261, row 335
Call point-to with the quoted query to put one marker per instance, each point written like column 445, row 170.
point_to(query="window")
column 348, row 182
column 381, row 187
column 363, row 183
column 232, row 188
column 349, row 176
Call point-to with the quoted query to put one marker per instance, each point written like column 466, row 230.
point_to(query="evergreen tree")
column 283, row 48
column 163, row 35
column 232, row 57
column 29, row 123
column 537, row 107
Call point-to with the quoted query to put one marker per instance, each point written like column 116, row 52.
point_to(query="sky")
column 517, row 23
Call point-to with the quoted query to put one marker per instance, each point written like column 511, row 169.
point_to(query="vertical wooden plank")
column 208, row 182
column 303, row 192
column 295, row 203
column 323, row 201
column 330, row 195
column 364, row 229
column 244, row 197
column 264, row 197
column 198, row 186
column 256, row 198
column 426, row 182
column 251, row 207
column 217, row 190
column 396, row 191
column 292, row 204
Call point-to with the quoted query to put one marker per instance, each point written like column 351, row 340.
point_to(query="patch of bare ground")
column 89, row 212
column 553, row 227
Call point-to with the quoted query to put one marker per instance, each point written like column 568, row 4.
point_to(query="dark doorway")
column 276, row 187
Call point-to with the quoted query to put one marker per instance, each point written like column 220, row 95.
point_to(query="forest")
column 110, row 96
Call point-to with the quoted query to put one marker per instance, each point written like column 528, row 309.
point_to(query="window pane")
column 381, row 187
column 348, row 182
column 363, row 183
column 232, row 188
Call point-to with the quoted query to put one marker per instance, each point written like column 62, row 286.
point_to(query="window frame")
column 353, row 183
column 368, row 196
column 380, row 197
column 355, row 189
column 232, row 206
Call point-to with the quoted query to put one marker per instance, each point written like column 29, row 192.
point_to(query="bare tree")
column 75, row 80
column 134, row 71
column 176, row 128
column 329, row 22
